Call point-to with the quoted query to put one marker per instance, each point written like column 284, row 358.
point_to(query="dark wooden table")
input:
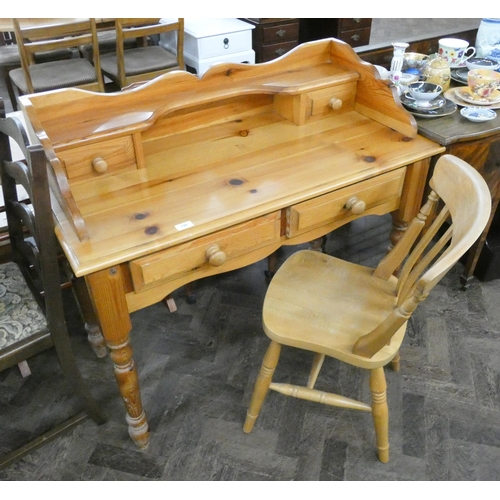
column 476, row 143
column 479, row 145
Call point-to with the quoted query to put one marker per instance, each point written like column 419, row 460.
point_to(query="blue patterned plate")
column 477, row 114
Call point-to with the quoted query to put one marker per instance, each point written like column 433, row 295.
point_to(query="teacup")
column 481, row 63
column 414, row 60
column 424, row 93
column 483, row 82
column 455, row 51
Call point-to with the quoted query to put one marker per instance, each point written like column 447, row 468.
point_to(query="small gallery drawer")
column 280, row 33
column 364, row 197
column 99, row 158
column 342, row 96
column 270, row 52
column 209, row 251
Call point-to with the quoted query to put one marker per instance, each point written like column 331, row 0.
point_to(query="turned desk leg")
column 107, row 289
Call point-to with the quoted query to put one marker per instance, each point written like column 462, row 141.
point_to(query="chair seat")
column 140, row 60
column 20, row 315
column 323, row 304
column 56, row 74
column 9, row 55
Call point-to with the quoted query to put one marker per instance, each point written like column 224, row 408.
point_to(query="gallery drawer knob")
column 355, row 206
column 99, row 165
column 335, row 103
column 215, row 256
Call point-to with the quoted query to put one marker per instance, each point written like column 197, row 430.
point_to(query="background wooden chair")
column 31, row 301
column 38, row 76
column 10, row 59
column 127, row 66
column 357, row 314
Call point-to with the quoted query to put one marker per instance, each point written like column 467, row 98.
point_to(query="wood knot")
column 406, row 139
column 236, row 182
column 244, row 133
column 369, row 159
column 151, row 230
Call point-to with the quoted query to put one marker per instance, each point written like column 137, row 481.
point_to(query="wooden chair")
column 31, row 302
column 36, row 76
column 359, row 315
column 10, row 59
column 128, row 66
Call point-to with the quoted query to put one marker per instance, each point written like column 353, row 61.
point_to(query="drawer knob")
column 99, row 165
column 215, row 256
column 355, row 206
column 281, row 33
column 355, row 37
column 335, row 103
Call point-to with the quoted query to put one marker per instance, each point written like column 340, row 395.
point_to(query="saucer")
column 448, row 108
column 458, row 66
column 466, row 95
column 477, row 114
column 409, row 101
column 460, row 75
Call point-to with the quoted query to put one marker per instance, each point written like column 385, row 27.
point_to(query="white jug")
column 488, row 39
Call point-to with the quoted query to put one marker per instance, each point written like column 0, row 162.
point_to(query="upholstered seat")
column 32, row 315
column 38, row 75
column 126, row 66
column 141, row 60
column 20, row 315
column 55, row 75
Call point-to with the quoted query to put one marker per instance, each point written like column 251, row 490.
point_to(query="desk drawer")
column 356, row 38
column 355, row 23
column 219, row 45
column 280, row 33
column 344, row 95
column 209, row 251
column 331, row 207
column 118, row 154
column 270, row 52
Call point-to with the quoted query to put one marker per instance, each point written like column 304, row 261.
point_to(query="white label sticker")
column 184, row 225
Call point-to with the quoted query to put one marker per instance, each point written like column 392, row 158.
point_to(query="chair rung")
column 316, row 396
column 39, row 441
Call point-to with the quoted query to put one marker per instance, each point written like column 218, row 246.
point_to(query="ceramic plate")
column 477, row 114
column 466, row 95
column 460, row 75
column 448, row 108
column 452, row 95
column 410, row 102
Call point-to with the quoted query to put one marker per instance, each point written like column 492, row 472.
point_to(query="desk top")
column 197, row 155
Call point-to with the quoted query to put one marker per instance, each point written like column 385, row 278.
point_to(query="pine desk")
column 186, row 177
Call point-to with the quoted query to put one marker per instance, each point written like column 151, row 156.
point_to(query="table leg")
column 107, row 290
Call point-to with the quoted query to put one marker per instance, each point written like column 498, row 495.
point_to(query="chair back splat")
column 140, row 64
column 33, row 314
column 357, row 314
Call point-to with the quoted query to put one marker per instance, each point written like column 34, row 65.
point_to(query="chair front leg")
column 262, row 384
column 380, row 412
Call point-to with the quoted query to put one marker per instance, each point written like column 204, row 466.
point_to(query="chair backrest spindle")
column 467, row 207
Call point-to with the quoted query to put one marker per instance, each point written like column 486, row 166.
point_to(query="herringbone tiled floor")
column 197, row 367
